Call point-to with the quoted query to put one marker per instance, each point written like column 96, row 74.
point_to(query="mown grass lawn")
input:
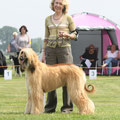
column 13, row 97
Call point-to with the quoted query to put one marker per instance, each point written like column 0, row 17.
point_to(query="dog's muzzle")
column 23, row 62
column 22, row 59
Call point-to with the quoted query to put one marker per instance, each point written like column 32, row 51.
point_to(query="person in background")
column 91, row 55
column 111, row 57
column 22, row 41
column 11, row 46
column 13, row 52
column 57, row 48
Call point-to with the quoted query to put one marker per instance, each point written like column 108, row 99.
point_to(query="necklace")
column 57, row 18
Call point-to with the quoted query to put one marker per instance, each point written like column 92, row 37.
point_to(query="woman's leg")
column 51, row 102
column 51, row 96
column 109, row 62
column 64, row 55
column 109, row 68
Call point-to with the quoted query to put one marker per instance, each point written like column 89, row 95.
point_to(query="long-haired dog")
column 42, row 78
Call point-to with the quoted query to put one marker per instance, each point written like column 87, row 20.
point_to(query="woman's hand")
column 8, row 48
column 67, row 35
column 43, row 57
column 92, row 60
column 81, row 57
column 63, row 34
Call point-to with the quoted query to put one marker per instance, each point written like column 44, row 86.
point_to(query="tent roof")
column 88, row 21
column 95, row 28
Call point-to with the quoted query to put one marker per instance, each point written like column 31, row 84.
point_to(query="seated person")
column 91, row 55
column 111, row 57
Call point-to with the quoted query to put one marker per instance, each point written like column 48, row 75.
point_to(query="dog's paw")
column 26, row 112
column 37, row 112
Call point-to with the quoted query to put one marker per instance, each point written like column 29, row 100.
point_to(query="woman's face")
column 113, row 47
column 58, row 6
column 91, row 48
column 23, row 30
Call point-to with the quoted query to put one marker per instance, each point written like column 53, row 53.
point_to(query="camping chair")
column 96, row 62
column 113, row 64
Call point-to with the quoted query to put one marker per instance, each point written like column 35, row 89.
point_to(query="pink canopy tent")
column 92, row 22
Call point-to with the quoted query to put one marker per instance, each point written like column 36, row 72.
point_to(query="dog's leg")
column 20, row 73
column 79, row 96
column 15, row 71
column 84, row 104
column 28, row 105
column 37, row 102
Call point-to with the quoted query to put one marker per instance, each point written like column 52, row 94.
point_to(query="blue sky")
column 32, row 13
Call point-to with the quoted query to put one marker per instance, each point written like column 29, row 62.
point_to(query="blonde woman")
column 57, row 48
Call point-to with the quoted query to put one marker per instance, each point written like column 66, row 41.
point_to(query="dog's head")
column 27, row 59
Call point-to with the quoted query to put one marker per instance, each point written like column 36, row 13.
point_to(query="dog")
column 14, row 60
column 41, row 78
column 3, row 63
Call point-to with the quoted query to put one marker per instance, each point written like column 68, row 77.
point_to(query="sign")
column 7, row 74
column 88, row 63
column 92, row 74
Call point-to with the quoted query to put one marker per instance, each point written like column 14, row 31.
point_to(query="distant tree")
column 37, row 44
column 6, row 36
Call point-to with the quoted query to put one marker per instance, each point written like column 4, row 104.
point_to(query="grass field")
column 13, row 97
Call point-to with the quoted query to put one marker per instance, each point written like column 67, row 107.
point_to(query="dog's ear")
column 33, row 62
column 32, row 67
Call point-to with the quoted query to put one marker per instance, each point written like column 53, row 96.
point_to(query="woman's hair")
column 64, row 2
column 23, row 26
column 114, row 46
column 91, row 46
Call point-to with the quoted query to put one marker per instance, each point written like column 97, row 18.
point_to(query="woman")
column 111, row 57
column 91, row 55
column 57, row 47
column 22, row 41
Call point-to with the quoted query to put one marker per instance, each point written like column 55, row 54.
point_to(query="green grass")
column 13, row 96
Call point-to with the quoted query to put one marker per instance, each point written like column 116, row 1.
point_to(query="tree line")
column 6, row 36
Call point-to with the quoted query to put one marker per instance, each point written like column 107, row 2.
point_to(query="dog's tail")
column 89, row 90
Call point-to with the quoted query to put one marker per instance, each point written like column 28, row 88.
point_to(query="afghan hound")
column 42, row 78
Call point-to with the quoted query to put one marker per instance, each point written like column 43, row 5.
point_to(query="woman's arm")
column 29, row 42
column 117, row 57
column 71, row 27
column 106, row 56
column 45, row 41
column 16, row 43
